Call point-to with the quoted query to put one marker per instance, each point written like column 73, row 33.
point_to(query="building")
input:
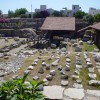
column 75, row 8
column 44, row 8
column 58, row 28
column 70, row 13
column 94, row 11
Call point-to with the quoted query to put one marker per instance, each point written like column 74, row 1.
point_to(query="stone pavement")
column 60, row 93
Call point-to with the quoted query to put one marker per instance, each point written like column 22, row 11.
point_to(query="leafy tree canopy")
column 89, row 19
column 97, row 17
column 58, row 14
column 0, row 12
column 79, row 14
column 10, row 13
column 20, row 11
column 42, row 14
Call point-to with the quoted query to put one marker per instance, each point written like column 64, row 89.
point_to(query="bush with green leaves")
column 19, row 89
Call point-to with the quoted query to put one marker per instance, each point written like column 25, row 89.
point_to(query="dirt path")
column 13, row 51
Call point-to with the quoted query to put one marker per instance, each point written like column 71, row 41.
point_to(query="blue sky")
column 5, row 5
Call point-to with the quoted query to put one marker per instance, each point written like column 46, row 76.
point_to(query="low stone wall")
column 7, row 32
column 11, row 33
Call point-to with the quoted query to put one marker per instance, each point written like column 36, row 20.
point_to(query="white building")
column 94, row 11
column 44, row 8
column 75, row 8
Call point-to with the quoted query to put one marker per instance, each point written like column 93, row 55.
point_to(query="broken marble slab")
column 43, row 63
column 14, row 76
column 89, row 64
column 79, row 81
column 91, row 70
column 26, row 71
column 97, row 57
column 78, row 62
column 62, row 72
column 47, row 67
column 30, row 68
column 59, row 67
column 98, row 67
column 92, row 76
column 94, row 82
column 34, row 63
column 49, row 77
column 78, row 66
column 52, row 72
column 78, row 86
column 35, row 78
column 46, row 82
column 64, row 82
column 80, row 42
column 64, row 77
column 41, row 70
column 98, row 63
column 54, row 63
column 68, row 60
column 88, row 60
column 77, row 72
column 75, row 77
column 36, row 60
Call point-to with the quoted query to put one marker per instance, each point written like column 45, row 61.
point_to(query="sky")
column 6, row 5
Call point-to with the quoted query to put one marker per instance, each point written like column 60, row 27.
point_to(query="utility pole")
column 31, row 12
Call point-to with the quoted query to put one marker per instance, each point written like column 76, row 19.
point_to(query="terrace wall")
column 19, row 23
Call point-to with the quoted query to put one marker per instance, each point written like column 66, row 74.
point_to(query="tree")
column 79, row 14
column 97, row 17
column 58, row 14
column 41, row 14
column 20, row 11
column 0, row 12
column 44, row 14
column 89, row 19
column 10, row 13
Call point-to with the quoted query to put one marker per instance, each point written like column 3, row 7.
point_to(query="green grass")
column 84, row 77
column 57, row 78
column 88, row 48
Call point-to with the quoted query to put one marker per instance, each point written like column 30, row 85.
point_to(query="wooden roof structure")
column 59, row 23
column 95, row 26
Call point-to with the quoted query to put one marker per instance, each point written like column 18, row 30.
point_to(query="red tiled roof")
column 59, row 23
column 96, row 26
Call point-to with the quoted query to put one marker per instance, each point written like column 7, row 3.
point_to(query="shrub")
column 19, row 90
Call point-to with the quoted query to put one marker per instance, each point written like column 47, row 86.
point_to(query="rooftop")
column 96, row 26
column 59, row 23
